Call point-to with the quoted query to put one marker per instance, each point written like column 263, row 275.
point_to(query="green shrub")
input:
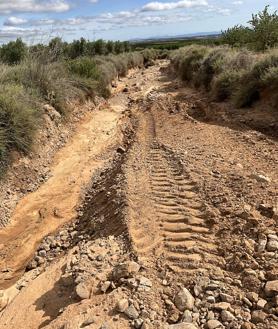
column 84, row 67
column 191, row 62
column 251, row 84
column 262, row 33
column 224, row 84
column 13, row 52
column 211, row 65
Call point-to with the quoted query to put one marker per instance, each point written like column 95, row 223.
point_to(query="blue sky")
column 40, row 20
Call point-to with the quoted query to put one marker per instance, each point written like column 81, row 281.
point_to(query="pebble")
column 213, row 324
column 83, row 290
column 125, row 270
column 261, row 178
column 271, row 287
column 131, row 312
column 227, row 316
column 187, row 317
column 272, row 245
column 222, row 306
column 105, row 286
column 258, row 316
column 182, row 326
column 122, row 305
column 226, row 298
column 184, row 300
column 261, row 303
column 210, row 299
column 252, row 296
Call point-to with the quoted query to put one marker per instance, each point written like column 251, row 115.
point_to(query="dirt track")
column 190, row 198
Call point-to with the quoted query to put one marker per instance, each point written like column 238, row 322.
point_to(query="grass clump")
column 19, row 119
column 227, row 73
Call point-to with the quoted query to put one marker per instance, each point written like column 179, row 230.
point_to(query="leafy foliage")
column 13, row 52
column 261, row 35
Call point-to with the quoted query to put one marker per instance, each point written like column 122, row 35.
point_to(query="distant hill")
column 199, row 35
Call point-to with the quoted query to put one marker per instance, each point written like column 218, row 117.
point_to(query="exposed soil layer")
column 177, row 226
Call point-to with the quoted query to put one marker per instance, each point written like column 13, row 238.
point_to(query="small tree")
column 237, row 36
column 100, row 47
column 265, row 29
column 13, row 52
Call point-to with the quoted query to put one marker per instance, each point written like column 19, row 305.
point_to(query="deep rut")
column 166, row 217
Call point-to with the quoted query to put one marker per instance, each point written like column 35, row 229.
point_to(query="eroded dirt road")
column 179, row 230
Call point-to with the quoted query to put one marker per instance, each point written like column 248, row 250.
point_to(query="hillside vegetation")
column 227, row 73
column 42, row 78
column 235, row 73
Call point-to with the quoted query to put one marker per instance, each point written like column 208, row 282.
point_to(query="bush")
column 252, row 82
column 237, row 74
column 13, row 52
column 191, row 62
column 224, row 84
column 84, row 67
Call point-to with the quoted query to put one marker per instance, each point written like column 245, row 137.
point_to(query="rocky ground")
column 178, row 229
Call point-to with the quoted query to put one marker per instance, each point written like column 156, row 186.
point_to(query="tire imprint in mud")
column 166, row 217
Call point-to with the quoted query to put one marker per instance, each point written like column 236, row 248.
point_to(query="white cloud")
column 237, row 3
column 7, row 7
column 159, row 6
column 13, row 21
column 93, row 1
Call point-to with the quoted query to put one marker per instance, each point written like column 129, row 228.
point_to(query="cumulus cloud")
column 23, row 6
column 14, row 21
column 160, row 6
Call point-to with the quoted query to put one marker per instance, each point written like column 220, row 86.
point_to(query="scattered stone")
column 261, row 303
column 210, row 299
column 247, row 301
column 122, row 305
column 226, row 298
column 83, row 290
column 222, row 306
column 227, row 316
column 131, row 312
column 182, row 326
column 213, row 324
column 125, row 90
column 261, row 178
column 187, row 317
column 272, row 245
column 184, row 300
column 271, row 287
column 105, row 286
column 125, row 270
column 258, row 316
column 252, row 296
column 138, row 323
column 144, row 284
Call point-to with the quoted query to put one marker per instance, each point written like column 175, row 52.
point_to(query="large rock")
column 184, row 300
column 271, row 287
